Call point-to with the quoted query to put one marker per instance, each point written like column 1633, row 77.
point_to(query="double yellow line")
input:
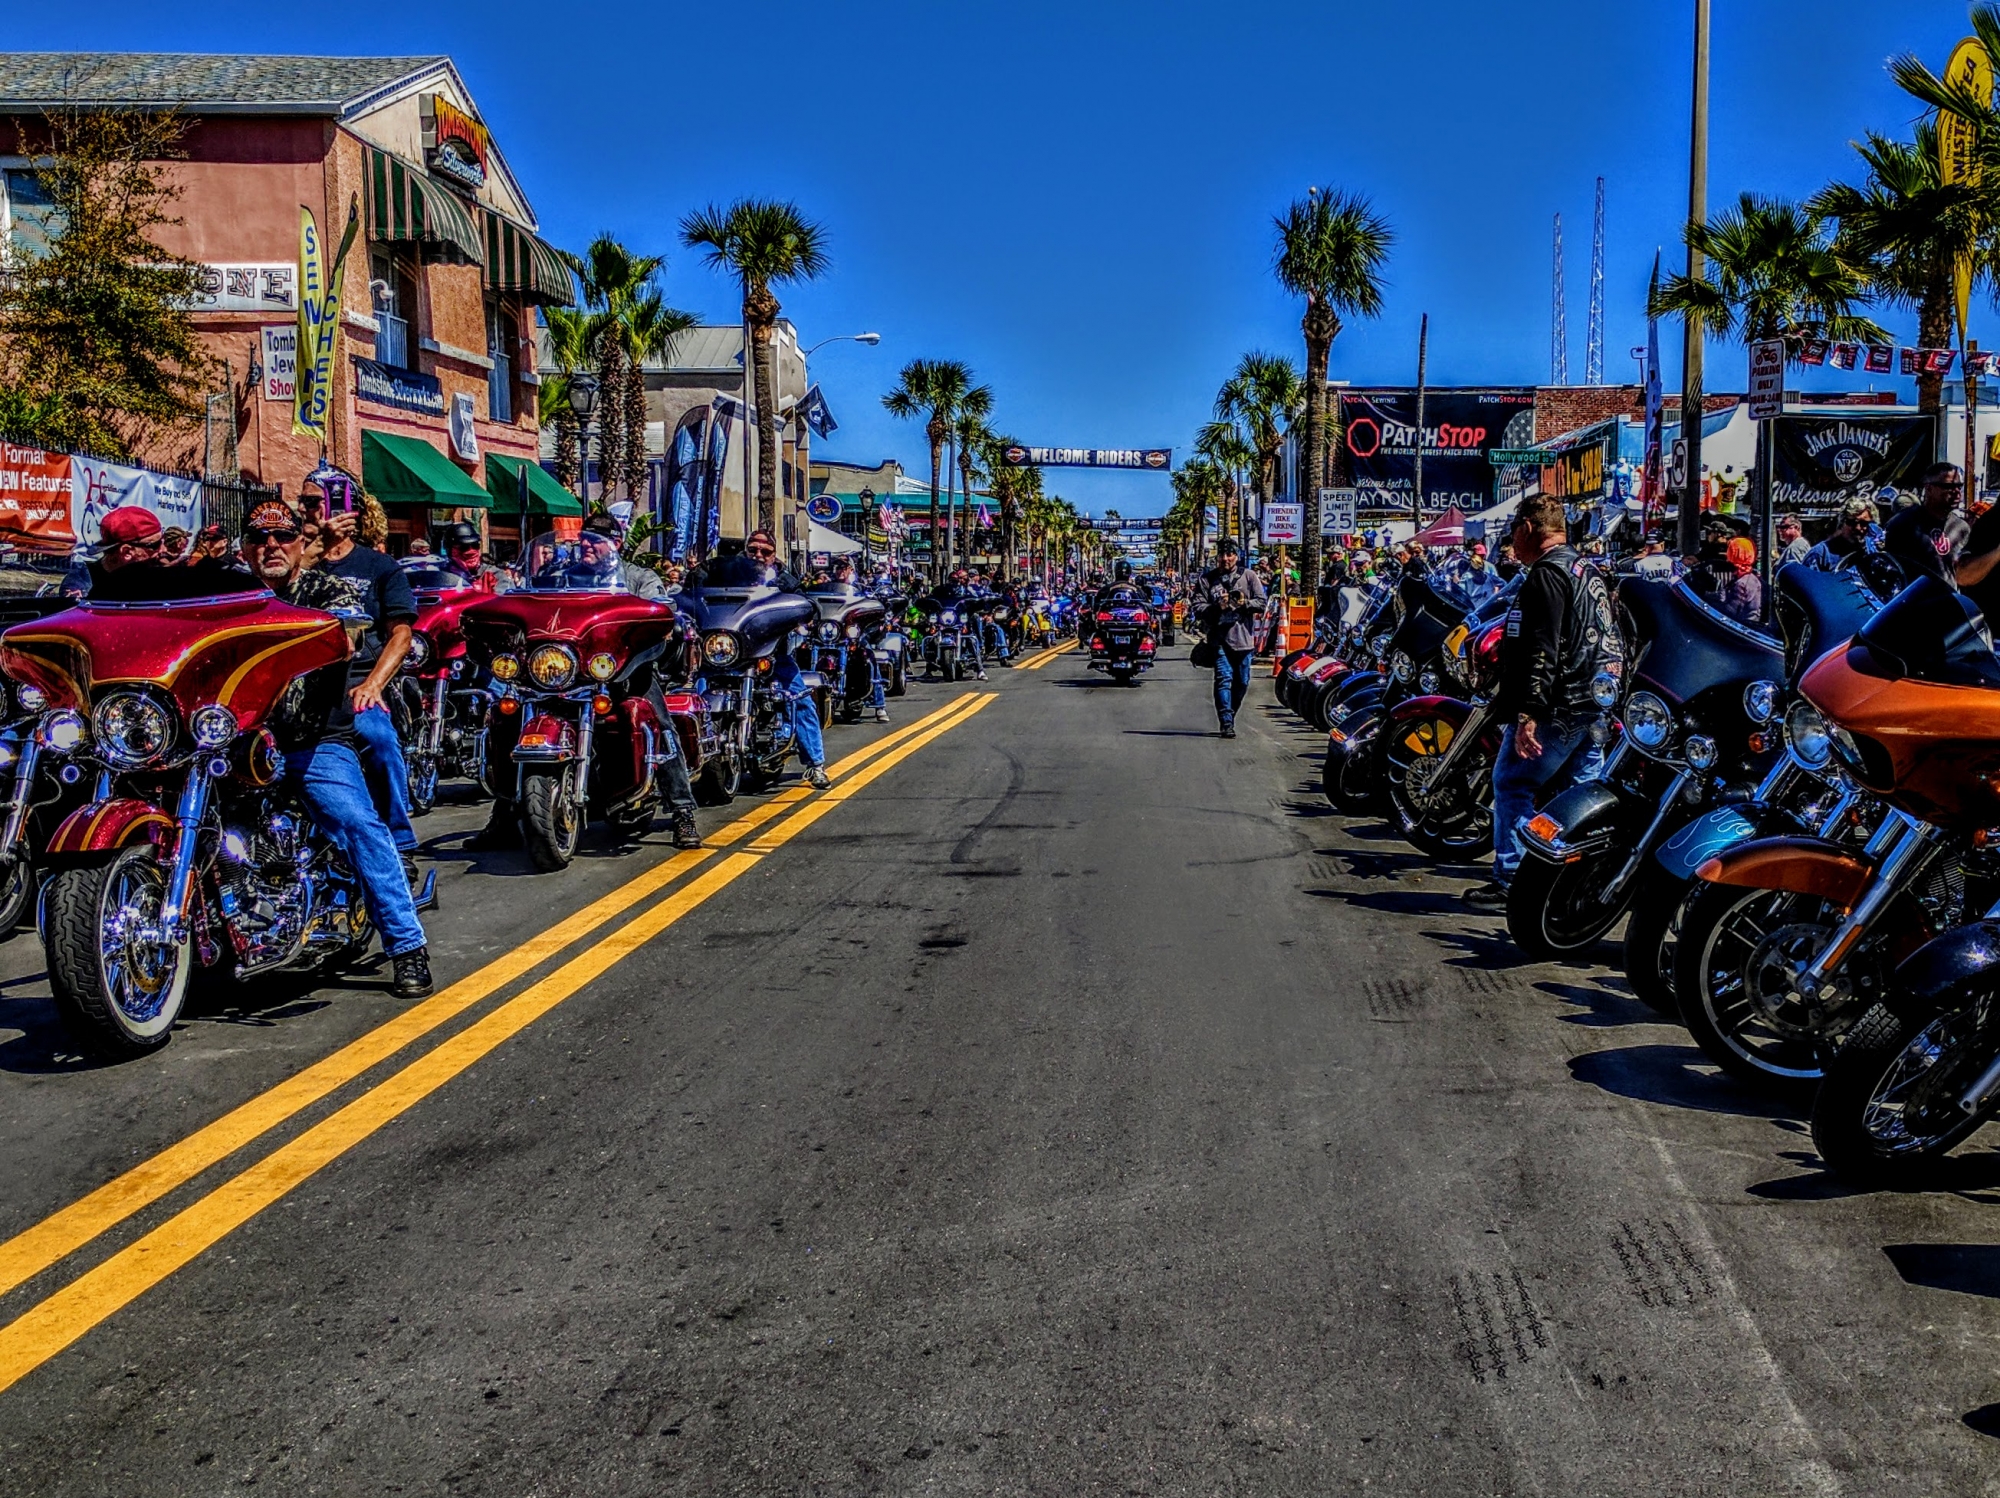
column 52, row 1324
column 1036, row 662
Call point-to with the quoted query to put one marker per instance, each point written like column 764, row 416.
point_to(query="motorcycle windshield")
column 584, row 564
column 1818, row 611
column 1928, row 632
column 1682, row 647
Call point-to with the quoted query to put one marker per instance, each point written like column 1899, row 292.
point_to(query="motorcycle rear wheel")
column 117, row 995
column 1554, row 909
column 899, row 679
column 1886, row 1113
column 552, row 822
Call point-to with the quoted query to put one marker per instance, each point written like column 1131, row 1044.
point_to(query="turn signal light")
column 1758, row 743
column 764, row 666
column 1545, row 827
column 600, row 704
column 508, row 707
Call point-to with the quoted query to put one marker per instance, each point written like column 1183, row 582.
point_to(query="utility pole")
column 1558, row 317
column 1691, row 347
column 1593, row 338
column 1417, row 475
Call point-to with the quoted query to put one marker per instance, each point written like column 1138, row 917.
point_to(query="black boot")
column 502, row 830
column 413, row 974
column 686, row 834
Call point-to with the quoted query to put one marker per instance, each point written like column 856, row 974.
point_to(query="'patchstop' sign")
column 1820, row 462
column 1460, row 428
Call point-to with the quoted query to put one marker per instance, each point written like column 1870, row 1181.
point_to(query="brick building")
column 434, row 380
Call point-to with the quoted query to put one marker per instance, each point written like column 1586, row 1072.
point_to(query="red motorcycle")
column 445, row 696
column 192, row 849
column 570, row 734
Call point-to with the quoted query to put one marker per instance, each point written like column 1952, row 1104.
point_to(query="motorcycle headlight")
column 950, row 616
column 132, row 730
column 419, row 653
column 63, row 730
column 1700, row 750
column 1427, row 682
column 853, row 631
column 602, row 666
column 1604, row 689
column 828, row 630
column 1760, row 701
column 721, row 648
column 552, row 667
column 1401, row 666
column 506, row 667
column 212, row 725
column 1807, row 735
column 32, row 699
column 1648, row 720
column 1378, row 646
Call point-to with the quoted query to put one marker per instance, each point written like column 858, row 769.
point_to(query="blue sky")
column 1076, row 198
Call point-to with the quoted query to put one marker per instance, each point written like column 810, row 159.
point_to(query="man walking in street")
column 1559, row 630
column 1230, row 597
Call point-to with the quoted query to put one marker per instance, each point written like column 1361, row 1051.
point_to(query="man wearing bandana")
column 315, row 726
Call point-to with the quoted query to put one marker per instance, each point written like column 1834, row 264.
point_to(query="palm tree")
column 1198, row 484
column 569, row 348
column 1331, row 249
column 648, row 329
column 611, row 275
column 762, row 243
column 1266, row 398
column 969, row 434
column 932, row 389
column 1224, row 445
column 1909, row 230
column 1771, row 272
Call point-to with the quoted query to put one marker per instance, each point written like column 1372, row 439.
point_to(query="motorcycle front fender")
column 106, row 826
column 1357, row 729
column 1946, row 970
column 1713, row 832
column 1347, row 709
column 1453, row 710
column 1582, row 817
column 545, row 739
column 1801, row 865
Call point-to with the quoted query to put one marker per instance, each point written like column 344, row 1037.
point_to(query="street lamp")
column 871, row 339
column 583, row 401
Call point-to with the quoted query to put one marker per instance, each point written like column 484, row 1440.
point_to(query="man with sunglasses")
column 464, row 555
column 315, row 727
column 132, row 567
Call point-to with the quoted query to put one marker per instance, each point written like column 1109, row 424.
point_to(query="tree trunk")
column 566, row 465
column 1318, row 327
column 610, row 418
column 762, row 332
column 935, row 536
column 951, row 510
column 634, row 472
column 1934, row 319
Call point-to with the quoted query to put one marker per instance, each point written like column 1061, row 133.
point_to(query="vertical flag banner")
column 308, row 401
column 1958, row 155
column 1649, row 481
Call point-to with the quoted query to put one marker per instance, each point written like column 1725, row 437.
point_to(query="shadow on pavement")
column 1394, row 902
column 1364, row 865
column 1603, row 1007
column 1677, row 1075
column 1968, row 1268
column 1985, row 1420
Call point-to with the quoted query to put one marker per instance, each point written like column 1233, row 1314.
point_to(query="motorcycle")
column 1038, row 623
column 945, row 632
column 1911, row 708
column 744, row 627
column 569, row 735
column 1439, row 751
column 1686, row 742
column 445, row 704
column 852, row 631
column 1121, row 642
column 191, row 850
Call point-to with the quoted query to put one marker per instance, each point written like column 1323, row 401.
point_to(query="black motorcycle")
column 1686, row 744
column 851, row 640
column 744, row 630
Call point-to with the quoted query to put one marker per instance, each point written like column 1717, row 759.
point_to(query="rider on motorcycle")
column 760, row 549
column 316, row 729
column 954, row 592
column 464, row 556
column 640, row 582
column 131, row 566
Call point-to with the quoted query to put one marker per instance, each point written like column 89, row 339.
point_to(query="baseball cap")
column 1479, row 548
column 129, row 523
column 272, row 515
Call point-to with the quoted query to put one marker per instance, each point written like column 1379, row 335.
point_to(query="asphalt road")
column 1077, row 1107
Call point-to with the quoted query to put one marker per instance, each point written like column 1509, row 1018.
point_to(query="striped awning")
column 406, row 205
column 517, row 261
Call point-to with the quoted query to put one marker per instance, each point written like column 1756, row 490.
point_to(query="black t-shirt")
column 1984, row 537
column 1923, row 546
column 382, row 588
column 315, row 707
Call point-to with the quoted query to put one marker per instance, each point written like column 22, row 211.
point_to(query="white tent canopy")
column 820, row 538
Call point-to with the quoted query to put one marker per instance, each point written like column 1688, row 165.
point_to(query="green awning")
column 406, row 205
column 545, row 495
column 517, row 261
column 409, row 471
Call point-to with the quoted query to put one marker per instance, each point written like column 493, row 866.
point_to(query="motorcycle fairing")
column 106, row 826
column 1936, row 976
column 1801, row 865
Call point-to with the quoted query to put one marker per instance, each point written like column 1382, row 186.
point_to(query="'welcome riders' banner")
column 319, row 321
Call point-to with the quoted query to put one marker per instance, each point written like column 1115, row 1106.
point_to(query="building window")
column 30, row 215
column 500, row 349
column 394, row 290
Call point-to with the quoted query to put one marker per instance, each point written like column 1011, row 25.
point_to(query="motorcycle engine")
column 280, row 899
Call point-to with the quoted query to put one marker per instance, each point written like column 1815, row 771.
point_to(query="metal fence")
column 225, row 502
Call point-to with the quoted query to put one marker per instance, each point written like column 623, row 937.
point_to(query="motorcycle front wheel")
column 1348, row 778
column 1652, row 936
column 1554, row 909
column 1740, row 950
column 1887, row 1110
column 899, row 679
column 1452, row 823
column 720, row 780
column 117, row 993
column 17, row 893
column 552, row 822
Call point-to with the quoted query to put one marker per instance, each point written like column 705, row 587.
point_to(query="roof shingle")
column 195, row 80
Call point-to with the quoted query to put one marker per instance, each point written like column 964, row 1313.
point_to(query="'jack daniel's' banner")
column 1820, row 462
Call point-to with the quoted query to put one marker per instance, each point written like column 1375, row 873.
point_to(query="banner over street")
column 1156, row 458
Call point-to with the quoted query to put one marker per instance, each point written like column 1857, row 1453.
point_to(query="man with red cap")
column 131, row 566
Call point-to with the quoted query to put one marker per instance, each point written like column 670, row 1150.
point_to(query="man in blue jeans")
column 322, row 748
column 1559, row 631
column 1228, row 599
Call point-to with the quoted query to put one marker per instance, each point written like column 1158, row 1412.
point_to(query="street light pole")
column 871, row 339
column 582, row 401
column 1691, row 346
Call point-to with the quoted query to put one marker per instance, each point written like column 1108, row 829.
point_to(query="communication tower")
column 1558, row 327
column 1593, row 346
